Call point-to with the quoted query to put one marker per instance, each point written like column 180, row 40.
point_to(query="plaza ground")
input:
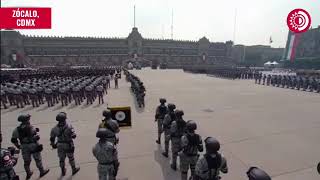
column 273, row 128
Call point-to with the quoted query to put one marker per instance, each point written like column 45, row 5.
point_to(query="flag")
column 291, row 45
column 270, row 40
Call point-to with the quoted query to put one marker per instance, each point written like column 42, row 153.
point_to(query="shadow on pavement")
column 167, row 172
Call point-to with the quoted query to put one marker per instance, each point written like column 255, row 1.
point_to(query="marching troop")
column 26, row 138
column 137, row 88
column 78, row 86
column 187, row 144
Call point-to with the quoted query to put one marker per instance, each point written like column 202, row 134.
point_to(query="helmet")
column 62, row 116
column 24, row 117
column 102, row 133
column 179, row 113
column 106, row 113
column 171, row 107
column 255, row 173
column 318, row 168
column 212, row 145
column 191, row 125
column 163, row 100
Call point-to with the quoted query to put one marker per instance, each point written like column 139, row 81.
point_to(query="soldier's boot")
column 165, row 154
column 27, row 169
column 158, row 141
column 73, row 166
column 43, row 172
column 63, row 171
column 184, row 175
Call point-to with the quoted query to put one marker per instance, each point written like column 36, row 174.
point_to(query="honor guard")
column 168, row 118
column 255, row 173
column 107, row 155
column 8, row 159
column 29, row 144
column 177, row 130
column 161, row 111
column 212, row 163
column 65, row 146
column 111, row 125
column 48, row 96
column 191, row 144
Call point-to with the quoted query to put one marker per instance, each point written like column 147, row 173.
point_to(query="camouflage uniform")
column 65, row 146
column 107, row 155
column 168, row 119
column 211, row 170
column 28, row 137
column 161, row 111
column 100, row 93
column 177, row 130
column 112, row 127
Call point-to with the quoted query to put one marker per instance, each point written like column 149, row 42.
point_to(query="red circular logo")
column 299, row 20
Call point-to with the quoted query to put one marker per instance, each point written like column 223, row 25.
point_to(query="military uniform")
column 100, row 93
column 161, row 111
column 65, row 146
column 191, row 144
column 49, row 96
column 28, row 137
column 33, row 96
column 89, row 94
column 3, row 99
column 107, row 155
column 111, row 126
column 177, row 130
column 168, row 119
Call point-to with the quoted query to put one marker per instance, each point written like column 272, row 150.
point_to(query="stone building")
column 48, row 51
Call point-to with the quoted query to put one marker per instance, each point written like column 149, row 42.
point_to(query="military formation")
column 39, row 87
column 26, row 138
column 311, row 84
column 187, row 144
column 137, row 88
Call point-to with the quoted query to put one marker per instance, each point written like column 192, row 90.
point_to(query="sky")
column 248, row 22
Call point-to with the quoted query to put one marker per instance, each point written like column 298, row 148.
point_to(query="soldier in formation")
column 26, row 137
column 311, row 84
column 107, row 156
column 168, row 119
column 212, row 162
column 65, row 134
column 161, row 111
column 111, row 126
column 137, row 88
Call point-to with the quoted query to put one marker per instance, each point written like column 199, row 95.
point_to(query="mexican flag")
column 291, row 45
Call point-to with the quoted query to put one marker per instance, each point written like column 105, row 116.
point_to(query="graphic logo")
column 299, row 20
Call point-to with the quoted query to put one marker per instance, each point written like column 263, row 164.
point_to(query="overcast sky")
column 256, row 20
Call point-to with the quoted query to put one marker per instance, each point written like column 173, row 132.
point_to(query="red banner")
column 25, row 18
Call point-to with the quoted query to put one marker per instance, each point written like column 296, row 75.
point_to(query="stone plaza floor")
column 273, row 128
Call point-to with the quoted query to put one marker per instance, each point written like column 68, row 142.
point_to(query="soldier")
column 48, row 96
column 8, row 159
column 107, row 155
column 3, row 99
column 268, row 80
column 63, row 96
column 294, row 82
column 116, row 81
column 29, row 144
column 108, row 81
column 161, row 111
column 76, row 95
column 177, row 130
column 306, row 84
column 100, row 93
column 55, row 92
column 191, row 145
column 18, row 97
column 259, row 77
column 209, row 166
column 33, row 96
column 168, row 118
column 40, row 94
column 89, row 94
column 111, row 125
column 25, row 92
column 264, row 79
column 300, row 83
column 255, row 173
column 65, row 134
